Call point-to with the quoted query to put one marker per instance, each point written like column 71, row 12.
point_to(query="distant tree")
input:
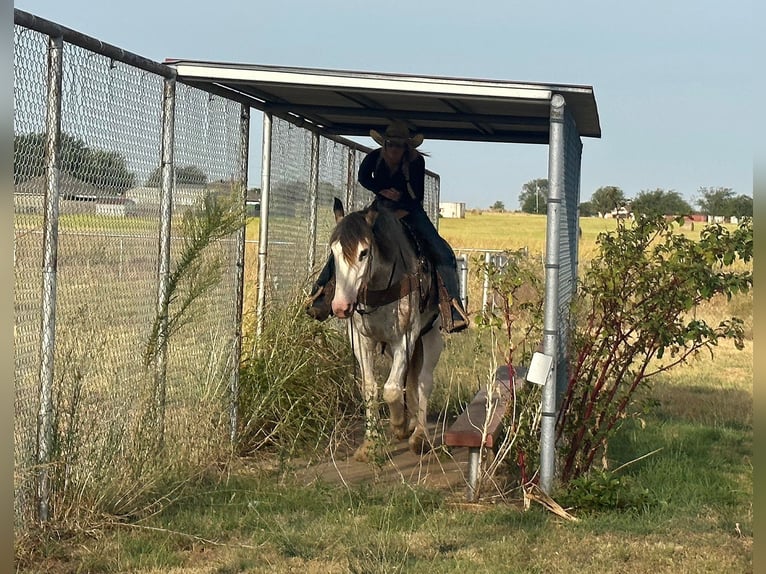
column 185, row 174
column 742, row 206
column 660, row 202
column 587, row 209
column 716, row 201
column 607, row 198
column 534, row 196
column 104, row 169
column 498, row 206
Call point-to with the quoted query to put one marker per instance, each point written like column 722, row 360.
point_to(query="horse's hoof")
column 419, row 444
column 366, row 452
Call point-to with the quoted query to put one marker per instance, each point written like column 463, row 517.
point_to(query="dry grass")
column 701, row 520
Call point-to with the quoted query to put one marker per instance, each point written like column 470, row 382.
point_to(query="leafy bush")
column 636, row 317
column 604, row 490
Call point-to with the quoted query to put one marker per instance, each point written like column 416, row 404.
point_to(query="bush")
column 297, row 387
column 637, row 318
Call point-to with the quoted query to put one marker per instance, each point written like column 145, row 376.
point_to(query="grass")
column 259, row 514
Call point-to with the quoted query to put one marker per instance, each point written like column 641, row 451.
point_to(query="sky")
column 675, row 82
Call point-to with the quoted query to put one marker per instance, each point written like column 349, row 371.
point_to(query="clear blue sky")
column 675, row 81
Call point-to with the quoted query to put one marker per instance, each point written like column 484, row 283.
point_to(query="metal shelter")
column 347, row 103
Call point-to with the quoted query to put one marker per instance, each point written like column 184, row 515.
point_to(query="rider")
column 395, row 173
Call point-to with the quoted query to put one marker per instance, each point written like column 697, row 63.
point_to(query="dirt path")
column 441, row 468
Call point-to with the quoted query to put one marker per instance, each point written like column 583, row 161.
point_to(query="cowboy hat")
column 399, row 132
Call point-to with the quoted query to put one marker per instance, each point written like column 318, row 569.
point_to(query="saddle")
column 424, row 279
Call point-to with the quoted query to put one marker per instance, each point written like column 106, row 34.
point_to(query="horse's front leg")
column 364, row 351
column 432, row 345
column 393, row 389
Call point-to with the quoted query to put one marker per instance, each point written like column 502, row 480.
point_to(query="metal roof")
column 347, row 103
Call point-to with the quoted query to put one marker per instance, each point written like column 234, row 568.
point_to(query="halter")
column 393, row 292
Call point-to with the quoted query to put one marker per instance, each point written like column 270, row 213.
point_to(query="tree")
column 534, row 196
column 660, row 202
column 498, row 206
column 607, row 198
column 185, row 174
column 742, row 206
column 587, row 209
column 104, row 169
column 716, row 201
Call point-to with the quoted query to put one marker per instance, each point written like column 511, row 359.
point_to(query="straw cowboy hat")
column 399, row 132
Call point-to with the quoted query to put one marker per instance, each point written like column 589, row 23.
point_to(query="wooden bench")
column 469, row 428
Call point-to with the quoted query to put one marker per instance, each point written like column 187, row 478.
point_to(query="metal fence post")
column 244, row 140
column 485, row 288
column 556, row 159
column 350, row 178
column 263, row 240
column 313, row 199
column 166, row 206
column 50, row 266
column 462, row 269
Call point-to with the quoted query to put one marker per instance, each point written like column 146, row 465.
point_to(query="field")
column 264, row 513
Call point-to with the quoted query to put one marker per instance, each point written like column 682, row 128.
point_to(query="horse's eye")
column 363, row 254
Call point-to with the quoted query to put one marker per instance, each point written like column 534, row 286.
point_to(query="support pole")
column 556, row 158
column 350, row 179
column 474, row 458
column 263, row 241
column 244, row 140
column 313, row 200
column 49, row 274
column 485, row 289
column 163, row 273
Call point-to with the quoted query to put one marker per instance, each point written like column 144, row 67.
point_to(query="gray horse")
column 388, row 294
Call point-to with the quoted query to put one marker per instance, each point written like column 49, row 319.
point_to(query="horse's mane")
column 386, row 232
column 350, row 231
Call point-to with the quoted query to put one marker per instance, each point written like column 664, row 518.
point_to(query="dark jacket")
column 375, row 176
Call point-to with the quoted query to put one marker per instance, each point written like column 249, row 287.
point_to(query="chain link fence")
column 94, row 228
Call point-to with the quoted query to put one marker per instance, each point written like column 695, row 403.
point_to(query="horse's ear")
column 337, row 208
column 370, row 215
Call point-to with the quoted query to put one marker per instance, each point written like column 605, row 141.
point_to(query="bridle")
column 372, row 299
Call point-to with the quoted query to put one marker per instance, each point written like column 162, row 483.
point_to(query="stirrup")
column 454, row 318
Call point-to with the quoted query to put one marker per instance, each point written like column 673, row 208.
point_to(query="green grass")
column 260, row 514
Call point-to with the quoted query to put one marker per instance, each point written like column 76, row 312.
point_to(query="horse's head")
column 352, row 245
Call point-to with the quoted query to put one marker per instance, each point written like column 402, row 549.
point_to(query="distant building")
column 75, row 196
column 452, row 210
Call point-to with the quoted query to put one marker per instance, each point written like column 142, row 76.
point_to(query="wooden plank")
column 467, row 429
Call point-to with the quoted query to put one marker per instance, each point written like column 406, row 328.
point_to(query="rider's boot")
column 453, row 315
column 319, row 305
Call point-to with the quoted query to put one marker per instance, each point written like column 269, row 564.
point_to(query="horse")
column 388, row 294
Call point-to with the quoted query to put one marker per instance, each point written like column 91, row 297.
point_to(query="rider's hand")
column 391, row 193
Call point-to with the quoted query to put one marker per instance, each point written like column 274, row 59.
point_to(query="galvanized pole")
column 313, row 199
column 163, row 272
column 556, row 158
column 350, row 178
column 244, row 141
column 264, row 231
column 462, row 269
column 50, row 266
column 485, row 289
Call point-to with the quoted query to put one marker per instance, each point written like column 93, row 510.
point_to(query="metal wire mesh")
column 568, row 243
column 29, row 92
column 288, row 210
column 107, row 267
